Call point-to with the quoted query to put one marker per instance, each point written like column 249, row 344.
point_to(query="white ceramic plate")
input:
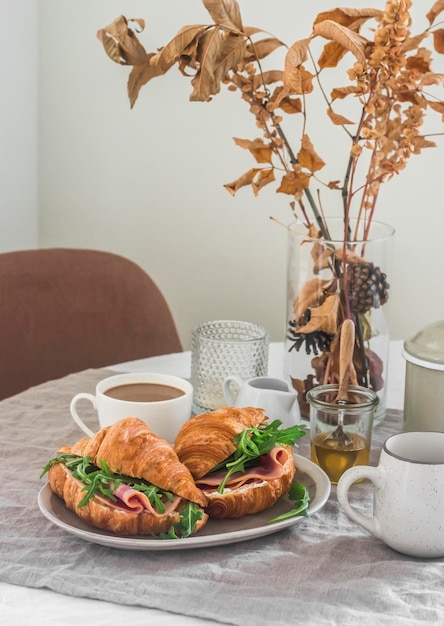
column 214, row 533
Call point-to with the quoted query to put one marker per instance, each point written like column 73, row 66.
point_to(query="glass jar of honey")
column 340, row 432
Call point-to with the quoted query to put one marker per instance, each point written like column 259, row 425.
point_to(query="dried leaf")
column 159, row 63
column 338, row 120
column 217, row 55
column 243, row 181
column 334, row 184
column 298, row 53
column 225, row 13
column 438, row 107
column 324, row 317
column 431, row 78
column 261, row 152
column 350, row 256
column 298, row 80
column 422, row 142
column 111, row 46
column 181, row 42
column 351, row 41
column 409, row 96
column 311, row 294
column 436, row 9
column 139, row 76
column 413, row 43
column 264, row 177
column 352, row 18
column 339, row 93
column 204, row 84
column 418, row 63
column 188, row 58
column 308, row 157
column 261, row 49
column 291, row 105
column 294, row 74
column 438, row 40
column 294, row 183
column 331, row 54
column 121, row 43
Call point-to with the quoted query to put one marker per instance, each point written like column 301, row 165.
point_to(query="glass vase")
column 329, row 280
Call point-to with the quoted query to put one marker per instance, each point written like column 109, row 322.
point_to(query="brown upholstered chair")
column 63, row 310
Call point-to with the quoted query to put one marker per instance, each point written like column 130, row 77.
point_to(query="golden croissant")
column 207, row 440
column 139, row 464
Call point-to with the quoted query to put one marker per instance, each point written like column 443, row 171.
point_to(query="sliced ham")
column 137, row 501
column 133, row 500
column 271, row 467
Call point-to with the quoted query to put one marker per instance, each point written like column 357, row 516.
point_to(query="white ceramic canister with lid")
column 424, row 379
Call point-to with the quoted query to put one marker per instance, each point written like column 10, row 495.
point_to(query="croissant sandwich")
column 129, row 481
column 242, row 463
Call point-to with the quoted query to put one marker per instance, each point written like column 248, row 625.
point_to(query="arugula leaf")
column 299, row 494
column 254, row 442
column 103, row 480
column 189, row 516
column 60, row 458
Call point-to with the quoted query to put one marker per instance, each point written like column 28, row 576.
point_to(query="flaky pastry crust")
column 208, row 439
column 129, row 447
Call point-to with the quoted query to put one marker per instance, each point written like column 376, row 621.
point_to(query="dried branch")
column 387, row 84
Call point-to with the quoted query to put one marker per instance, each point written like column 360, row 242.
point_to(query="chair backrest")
column 63, row 310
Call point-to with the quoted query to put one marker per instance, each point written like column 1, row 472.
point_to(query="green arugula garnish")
column 189, row 516
column 299, row 494
column 254, row 442
column 101, row 480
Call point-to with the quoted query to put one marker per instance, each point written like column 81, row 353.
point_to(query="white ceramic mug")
column 408, row 507
column 271, row 394
column 164, row 417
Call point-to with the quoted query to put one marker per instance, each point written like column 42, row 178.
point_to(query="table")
column 323, row 571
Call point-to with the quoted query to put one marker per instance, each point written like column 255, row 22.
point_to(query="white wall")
column 148, row 182
column 18, row 125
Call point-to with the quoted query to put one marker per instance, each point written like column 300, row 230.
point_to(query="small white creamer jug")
column 271, row 394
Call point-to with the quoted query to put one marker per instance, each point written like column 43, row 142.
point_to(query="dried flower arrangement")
column 389, row 85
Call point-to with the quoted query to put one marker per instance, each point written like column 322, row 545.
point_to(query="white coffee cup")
column 163, row 416
column 408, row 507
column 271, row 394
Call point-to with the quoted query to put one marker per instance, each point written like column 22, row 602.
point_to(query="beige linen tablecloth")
column 324, row 570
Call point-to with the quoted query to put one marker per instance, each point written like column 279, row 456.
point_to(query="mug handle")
column 377, row 476
column 229, row 398
column 74, row 414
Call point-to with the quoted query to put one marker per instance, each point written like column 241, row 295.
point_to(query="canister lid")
column 426, row 348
